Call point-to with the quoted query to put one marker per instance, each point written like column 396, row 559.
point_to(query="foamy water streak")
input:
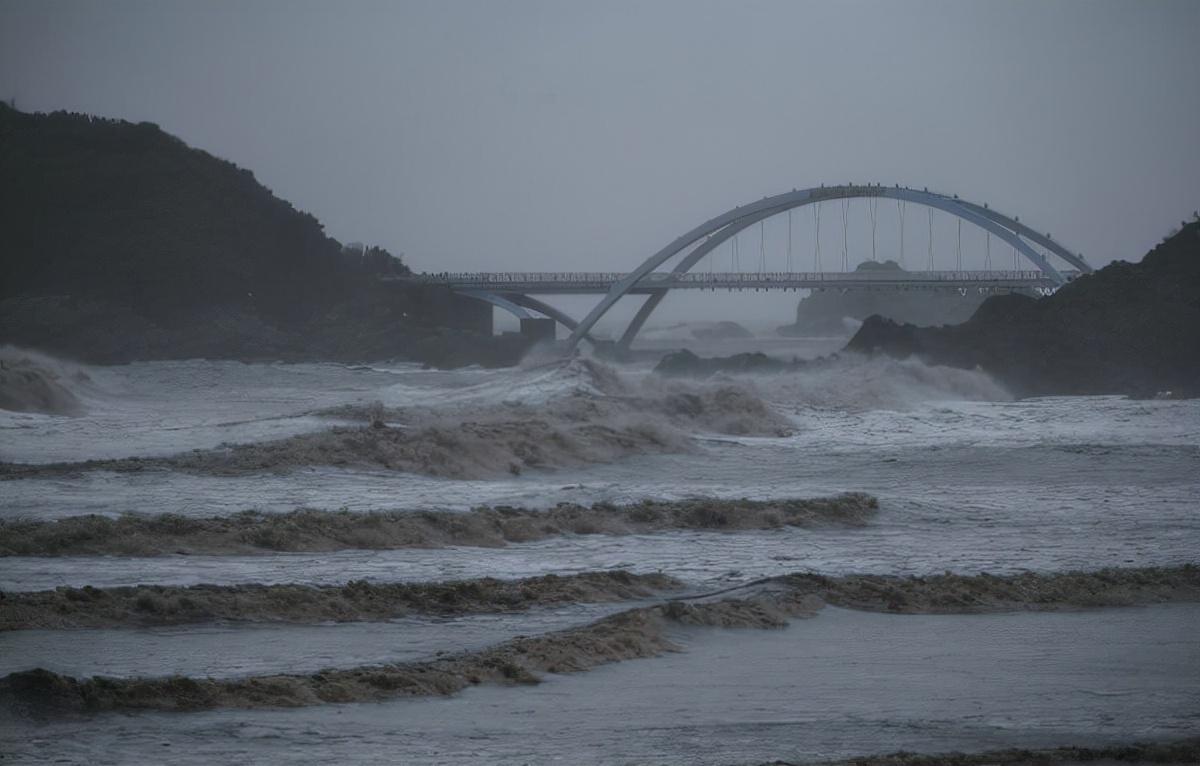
column 231, row 651
column 856, row 383
column 968, row 481
column 940, row 453
column 1080, row 482
column 903, row 539
column 734, row 697
column 160, row 408
column 560, row 414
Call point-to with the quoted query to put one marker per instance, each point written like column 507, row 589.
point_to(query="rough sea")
column 968, row 480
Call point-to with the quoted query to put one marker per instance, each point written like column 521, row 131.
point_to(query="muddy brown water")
column 967, row 480
column 839, row 684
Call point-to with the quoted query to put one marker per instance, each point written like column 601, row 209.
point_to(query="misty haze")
column 527, row 382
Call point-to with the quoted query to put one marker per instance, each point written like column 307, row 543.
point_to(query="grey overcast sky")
column 585, row 135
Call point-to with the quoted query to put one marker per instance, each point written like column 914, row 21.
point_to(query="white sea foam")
column 32, row 382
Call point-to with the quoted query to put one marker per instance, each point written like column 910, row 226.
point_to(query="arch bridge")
column 652, row 278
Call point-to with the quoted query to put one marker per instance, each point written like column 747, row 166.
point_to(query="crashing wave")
column 567, row 414
column 33, row 382
column 146, row 605
column 856, row 382
column 632, row 634
column 310, row 530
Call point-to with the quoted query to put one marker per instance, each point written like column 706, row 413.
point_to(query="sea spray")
column 847, row 381
column 34, row 382
column 567, row 414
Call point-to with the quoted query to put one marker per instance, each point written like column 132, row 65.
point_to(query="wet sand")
column 241, row 649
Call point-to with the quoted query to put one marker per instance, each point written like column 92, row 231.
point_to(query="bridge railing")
column 849, row 276
column 507, row 277
column 590, row 278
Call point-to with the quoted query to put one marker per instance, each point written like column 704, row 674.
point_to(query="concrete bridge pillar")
column 538, row 329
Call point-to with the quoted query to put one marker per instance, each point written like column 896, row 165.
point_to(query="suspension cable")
column 958, row 247
column 789, row 250
column 762, row 246
column 817, row 237
column 930, row 238
column 845, row 234
column 873, row 208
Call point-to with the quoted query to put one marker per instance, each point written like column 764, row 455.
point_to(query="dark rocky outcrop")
column 725, row 330
column 684, row 363
column 1129, row 328
column 824, row 312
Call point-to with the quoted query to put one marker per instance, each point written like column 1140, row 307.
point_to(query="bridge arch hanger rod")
column 745, row 215
column 714, row 240
column 1075, row 259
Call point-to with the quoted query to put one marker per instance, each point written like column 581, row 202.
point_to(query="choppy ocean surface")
column 968, row 481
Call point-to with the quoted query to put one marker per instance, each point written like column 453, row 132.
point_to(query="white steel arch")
column 717, row 230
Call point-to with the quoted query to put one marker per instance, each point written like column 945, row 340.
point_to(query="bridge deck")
column 601, row 282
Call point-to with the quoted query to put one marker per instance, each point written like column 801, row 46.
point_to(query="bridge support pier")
column 538, row 329
column 516, row 304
